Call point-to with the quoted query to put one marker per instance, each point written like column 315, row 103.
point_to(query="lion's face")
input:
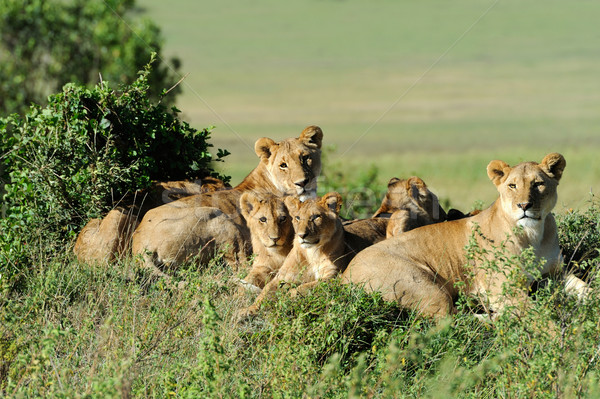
column 267, row 218
column 315, row 220
column 406, row 193
column 528, row 190
column 293, row 164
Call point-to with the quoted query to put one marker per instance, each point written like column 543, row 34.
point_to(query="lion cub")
column 271, row 233
column 319, row 252
column 411, row 205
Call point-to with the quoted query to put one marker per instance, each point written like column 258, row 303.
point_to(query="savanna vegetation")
column 69, row 329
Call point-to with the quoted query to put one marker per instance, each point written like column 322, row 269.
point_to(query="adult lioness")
column 172, row 233
column 319, row 252
column 102, row 240
column 419, row 268
column 272, row 234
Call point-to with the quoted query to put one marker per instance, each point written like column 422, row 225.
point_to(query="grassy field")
column 434, row 88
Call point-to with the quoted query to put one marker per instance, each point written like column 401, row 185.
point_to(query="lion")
column 420, row 269
column 319, row 252
column 173, row 233
column 408, row 204
column 272, row 235
column 103, row 240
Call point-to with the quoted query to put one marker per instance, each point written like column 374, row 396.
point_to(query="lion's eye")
column 263, row 219
column 282, row 219
column 283, row 165
column 538, row 184
column 512, row 186
column 315, row 217
column 297, row 218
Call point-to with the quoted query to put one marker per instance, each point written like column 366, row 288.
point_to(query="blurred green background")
column 430, row 88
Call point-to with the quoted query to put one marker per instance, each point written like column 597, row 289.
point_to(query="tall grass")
column 79, row 330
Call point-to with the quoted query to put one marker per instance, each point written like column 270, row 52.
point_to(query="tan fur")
column 411, row 205
column 408, row 204
column 272, row 235
column 318, row 253
column 420, row 268
column 177, row 231
column 102, row 240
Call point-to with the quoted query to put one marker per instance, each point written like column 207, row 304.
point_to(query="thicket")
column 45, row 44
column 77, row 157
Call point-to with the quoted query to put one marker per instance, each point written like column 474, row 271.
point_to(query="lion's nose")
column 524, row 205
column 275, row 239
column 302, row 235
column 301, row 183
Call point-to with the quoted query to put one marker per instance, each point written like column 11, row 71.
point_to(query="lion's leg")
column 419, row 289
column 251, row 310
column 259, row 275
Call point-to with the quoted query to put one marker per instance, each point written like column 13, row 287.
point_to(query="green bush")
column 579, row 234
column 45, row 44
column 78, row 156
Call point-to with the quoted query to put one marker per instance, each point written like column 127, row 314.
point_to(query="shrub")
column 78, row 156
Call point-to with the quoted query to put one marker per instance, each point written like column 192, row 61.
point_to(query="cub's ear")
column 416, row 182
column 262, row 147
column 554, row 165
column 312, row 136
column 247, row 201
column 497, row 171
column 292, row 203
column 393, row 181
column 332, row 201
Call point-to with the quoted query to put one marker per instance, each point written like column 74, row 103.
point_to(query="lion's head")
column 411, row 194
column 315, row 220
column 268, row 219
column 528, row 190
column 293, row 164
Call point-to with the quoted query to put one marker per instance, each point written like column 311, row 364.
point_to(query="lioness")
column 272, row 235
column 102, row 240
column 419, row 268
column 319, row 252
column 172, row 233
column 408, row 204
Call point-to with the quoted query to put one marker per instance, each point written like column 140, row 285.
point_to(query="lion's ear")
column 247, row 204
column 554, row 165
column 393, row 181
column 416, row 182
column 292, row 203
column 262, row 147
column 312, row 136
column 332, row 201
column 497, row 171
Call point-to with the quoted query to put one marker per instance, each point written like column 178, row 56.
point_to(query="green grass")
column 524, row 74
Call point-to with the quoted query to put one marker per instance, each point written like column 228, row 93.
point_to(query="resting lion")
column 420, row 268
column 201, row 224
column 272, row 235
column 102, row 240
column 408, row 204
column 319, row 252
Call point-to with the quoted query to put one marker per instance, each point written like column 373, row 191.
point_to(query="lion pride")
column 419, row 269
column 201, row 224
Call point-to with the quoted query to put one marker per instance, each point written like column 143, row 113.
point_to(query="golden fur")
column 172, row 233
column 408, row 204
column 102, row 240
column 318, row 253
column 420, row 268
column 272, row 235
